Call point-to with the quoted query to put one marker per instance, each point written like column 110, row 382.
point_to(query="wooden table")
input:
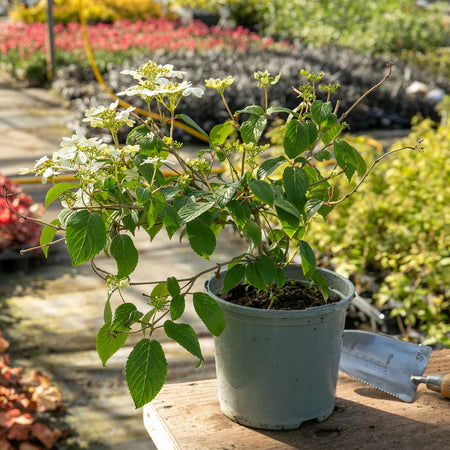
column 187, row 416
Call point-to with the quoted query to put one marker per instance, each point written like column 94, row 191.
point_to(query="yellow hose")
column 102, row 83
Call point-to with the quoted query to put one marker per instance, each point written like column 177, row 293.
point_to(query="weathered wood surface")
column 187, row 416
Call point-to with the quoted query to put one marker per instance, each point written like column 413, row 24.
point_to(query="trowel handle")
column 438, row 383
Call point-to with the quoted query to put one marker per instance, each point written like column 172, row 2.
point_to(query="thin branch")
column 416, row 147
column 363, row 96
column 26, row 250
column 333, row 175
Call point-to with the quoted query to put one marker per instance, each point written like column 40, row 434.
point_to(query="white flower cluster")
column 155, row 81
column 109, row 117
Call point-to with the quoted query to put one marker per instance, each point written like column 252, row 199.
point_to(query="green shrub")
column 398, row 226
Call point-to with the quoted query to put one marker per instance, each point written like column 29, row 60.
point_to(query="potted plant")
column 269, row 200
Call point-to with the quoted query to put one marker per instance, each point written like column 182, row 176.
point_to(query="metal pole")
column 50, row 41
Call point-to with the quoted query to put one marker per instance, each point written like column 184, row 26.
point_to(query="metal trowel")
column 394, row 366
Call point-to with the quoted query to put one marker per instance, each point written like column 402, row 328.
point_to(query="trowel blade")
column 383, row 362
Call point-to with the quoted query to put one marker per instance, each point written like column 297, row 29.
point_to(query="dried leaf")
column 19, row 432
column 28, row 446
column 47, row 436
column 47, row 398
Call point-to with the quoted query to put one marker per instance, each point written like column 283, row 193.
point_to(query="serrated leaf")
column 146, row 371
column 322, row 155
column 253, row 128
column 332, row 133
column 177, row 306
column 288, row 222
column 267, row 269
column 252, row 109
column 155, row 208
column 219, row 133
column 145, row 320
column 190, row 122
column 287, row 207
column 125, row 254
column 233, row 277
column 299, row 136
column 170, row 219
column 321, row 282
column 173, row 287
column 224, row 195
column 85, row 236
column 57, row 190
column 252, row 231
column 349, row 158
column 209, row 312
column 295, row 182
column 312, row 206
column 107, row 311
column 201, row 238
column 149, row 144
column 47, row 235
column 185, row 335
column 321, row 111
column 267, row 167
column 308, row 259
column 191, row 210
column 262, row 190
column 125, row 316
column 279, row 109
column 254, row 276
column 239, row 212
column 143, row 194
column 109, row 342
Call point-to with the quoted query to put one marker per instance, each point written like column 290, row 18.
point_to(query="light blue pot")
column 276, row 369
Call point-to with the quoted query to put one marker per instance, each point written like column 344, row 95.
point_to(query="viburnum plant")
column 121, row 188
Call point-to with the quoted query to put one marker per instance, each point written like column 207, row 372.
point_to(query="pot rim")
column 289, row 314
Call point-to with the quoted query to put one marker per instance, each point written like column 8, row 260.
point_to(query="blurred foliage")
column 66, row 11
column 398, row 226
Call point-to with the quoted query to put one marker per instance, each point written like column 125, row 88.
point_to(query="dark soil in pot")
column 293, row 296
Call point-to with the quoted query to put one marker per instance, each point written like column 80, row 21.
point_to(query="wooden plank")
column 187, row 416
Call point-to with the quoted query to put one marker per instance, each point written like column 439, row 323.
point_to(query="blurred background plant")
column 15, row 232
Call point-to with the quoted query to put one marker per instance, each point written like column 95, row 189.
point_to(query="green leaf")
column 143, row 194
column 47, row 235
column 146, row 371
column 253, row 128
column 56, row 191
column 125, row 254
column 233, row 277
column 155, row 208
column 279, row 109
column 332, row 133
column 108, row 341
column 267, row 269
column 239, row 212
column 281, row 278
column 191, row 210
column 288, row 207
column 252, row 109
column 146, row 320
column 321, row 282
column 170, row 219
column 219, row 134
column 322, row 155
column 254, row 276
column 289, row 222
column 192, row 124
column 185, row 335
column 262, row 190
column 267, row 167
column 85, row 236
column 149, row 144
column 295, row 183
column 125, row 316
column 312, row 206
column 177, row 306
column 224, row 195
column 173, row 287
column 321, row 111
column 107, row 311
column 348, row 157
column 252, row 231
column 160, row 291
column 209, row 312
column 308, row 259
column 299, row 137
column 201, row 238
